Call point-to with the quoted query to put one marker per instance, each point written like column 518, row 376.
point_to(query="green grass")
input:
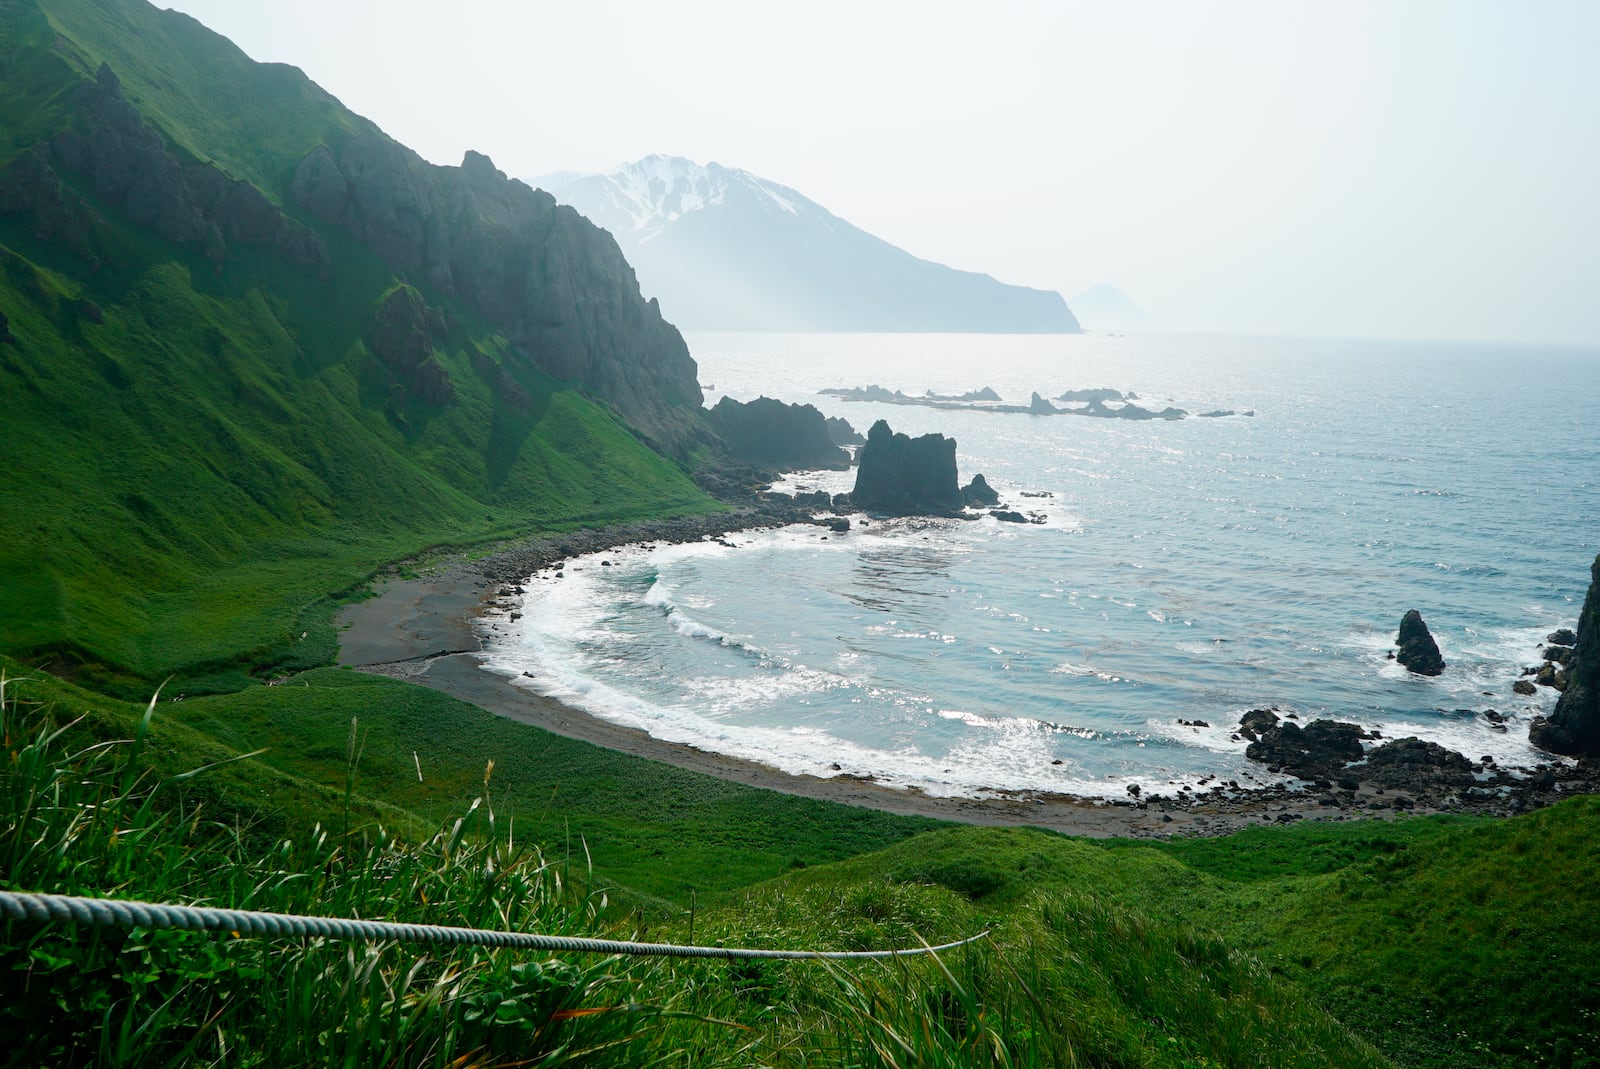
column 187, row 477
column 656, row 831
column 1066, row 979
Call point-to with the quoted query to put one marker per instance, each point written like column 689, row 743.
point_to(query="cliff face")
column 1574, row 727
column 556, row 285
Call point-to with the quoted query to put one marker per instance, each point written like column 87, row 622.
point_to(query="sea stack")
column 905, row 476
column 1418, row 652
column 1574, row 727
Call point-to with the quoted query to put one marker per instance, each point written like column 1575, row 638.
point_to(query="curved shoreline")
column 421, row 630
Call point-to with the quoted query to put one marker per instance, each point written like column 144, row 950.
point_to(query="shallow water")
column 1186, row 570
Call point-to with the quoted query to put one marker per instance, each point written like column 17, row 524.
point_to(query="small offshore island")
column 302, row 430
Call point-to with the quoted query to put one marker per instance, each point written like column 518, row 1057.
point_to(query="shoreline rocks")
column 1573, row 728
column 1418, row 651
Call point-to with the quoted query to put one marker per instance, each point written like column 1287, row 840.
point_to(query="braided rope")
column 117, row 913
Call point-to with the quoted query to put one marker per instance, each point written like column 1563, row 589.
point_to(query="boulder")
column 904, row 476
column 1574, row 727
column 1008, row 516
column 979, row 494
column 1558, row 654
column 1563, row 637
column 1522, row 686
column 1418, row 651
column 1257, row 721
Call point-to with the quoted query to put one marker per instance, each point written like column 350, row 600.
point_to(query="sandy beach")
column 423, row 630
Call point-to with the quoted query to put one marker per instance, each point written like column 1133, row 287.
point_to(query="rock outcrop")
column 905, row 476
column 841, row 433
column 979, row 494
column 1320, row 749
column 400, row 336
column 1410, row 763
column 769, row 432
column 1418, row 652
column 555, row 284
column 1574, row 727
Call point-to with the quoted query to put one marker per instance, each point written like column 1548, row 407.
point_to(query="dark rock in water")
column 840, row 431
column 985, row 394
column 1257, row 721
column 1548, row 676
column 979, row 494
column 1039, row 406
column 1007, row 516
column 1574, row 727
column 836, row 524
column 765, row 431
column 905, row 476
column 1558, row 654
column 1320, row 749
column 1419, row 653
column 1522, row 686
column 1094, row 394
column 843, row 503
column 1563, row 637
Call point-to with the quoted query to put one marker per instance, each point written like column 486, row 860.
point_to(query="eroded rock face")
column 556, row 285
column 1418, row 651
column 769, row 432
column 1574, row 727
column 905, row 476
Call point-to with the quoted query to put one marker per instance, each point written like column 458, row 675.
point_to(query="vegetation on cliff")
column 223, row 407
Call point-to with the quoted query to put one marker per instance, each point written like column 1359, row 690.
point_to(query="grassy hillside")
column 1065, row 980
column 200, row 450
column 1424, row 942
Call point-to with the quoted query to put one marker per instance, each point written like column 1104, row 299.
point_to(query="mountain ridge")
column 724, row 249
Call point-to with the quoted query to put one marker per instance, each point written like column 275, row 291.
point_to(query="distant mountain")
column 1104, row 307
column 725, row 250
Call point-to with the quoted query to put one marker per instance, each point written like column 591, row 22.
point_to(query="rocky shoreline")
column 422, row 629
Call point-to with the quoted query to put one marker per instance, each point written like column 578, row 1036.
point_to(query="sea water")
column 1185, row 570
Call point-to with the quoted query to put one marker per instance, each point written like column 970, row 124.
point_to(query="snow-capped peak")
column 658, row 190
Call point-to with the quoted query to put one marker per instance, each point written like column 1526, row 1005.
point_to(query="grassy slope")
column 195, row 458
column 1064, row 981
column 696, row 833
column 1445, row 941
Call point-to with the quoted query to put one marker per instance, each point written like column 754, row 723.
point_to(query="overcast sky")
column 1400, row 168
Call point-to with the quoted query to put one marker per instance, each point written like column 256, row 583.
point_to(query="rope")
column 117, row 913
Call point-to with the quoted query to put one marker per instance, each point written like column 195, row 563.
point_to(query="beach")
column 422, row 626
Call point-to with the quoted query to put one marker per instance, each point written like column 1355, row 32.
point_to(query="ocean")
column 1185, row 570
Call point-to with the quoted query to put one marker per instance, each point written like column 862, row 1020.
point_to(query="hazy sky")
column 1399, row 168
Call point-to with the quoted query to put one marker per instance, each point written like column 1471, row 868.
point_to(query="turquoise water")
column 1186, row 570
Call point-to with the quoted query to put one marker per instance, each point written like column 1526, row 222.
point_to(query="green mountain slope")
column 219, row 412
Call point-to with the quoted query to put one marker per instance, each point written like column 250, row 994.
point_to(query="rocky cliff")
column 556, row 285
column 1574, row 727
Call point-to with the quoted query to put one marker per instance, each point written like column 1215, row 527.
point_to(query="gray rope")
column 117, row 913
